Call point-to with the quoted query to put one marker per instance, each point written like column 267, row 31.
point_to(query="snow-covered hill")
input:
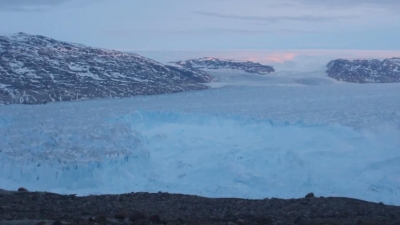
column 36, row 69
column 215, row 63
column 365, row 71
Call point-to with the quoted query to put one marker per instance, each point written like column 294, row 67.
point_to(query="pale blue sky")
column 210, row 24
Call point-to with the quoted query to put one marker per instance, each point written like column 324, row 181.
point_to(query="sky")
column 139, row 25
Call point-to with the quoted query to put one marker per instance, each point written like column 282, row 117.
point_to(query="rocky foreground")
column 161, row 208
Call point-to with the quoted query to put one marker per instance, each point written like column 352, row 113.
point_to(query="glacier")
column 252, row 137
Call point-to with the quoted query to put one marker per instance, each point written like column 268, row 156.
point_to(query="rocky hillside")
column 175, row 209
column 36, row 69
column 365, row 71
column 214, row 63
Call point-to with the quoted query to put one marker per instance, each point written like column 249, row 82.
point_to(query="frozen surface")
column 254, row 137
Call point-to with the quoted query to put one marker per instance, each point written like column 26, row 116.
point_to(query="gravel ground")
column 22, row 207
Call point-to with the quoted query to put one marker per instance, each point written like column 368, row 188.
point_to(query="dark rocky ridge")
column 163, row 208
column 365, row 71
column 214, row 63
column 36, row 69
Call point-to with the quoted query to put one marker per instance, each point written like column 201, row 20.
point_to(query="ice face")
column 237, row 141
